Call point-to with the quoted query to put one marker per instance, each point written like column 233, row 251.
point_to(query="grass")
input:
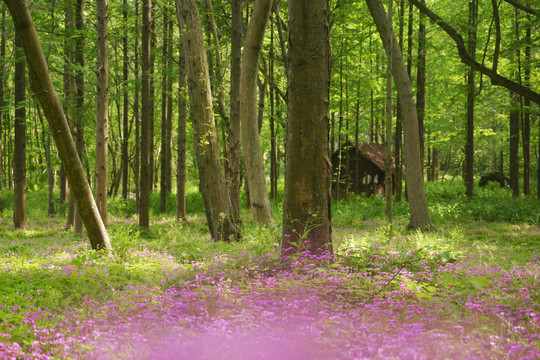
column 466, row 291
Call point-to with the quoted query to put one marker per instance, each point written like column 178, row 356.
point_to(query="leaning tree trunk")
column 308, row 171
column 219, row 211
column 419, row 215
column 46, row 94
column 258, row 192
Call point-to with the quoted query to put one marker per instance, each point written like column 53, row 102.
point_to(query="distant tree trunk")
column 526, row 118
column 273, row 150
column 419, row 215
column 19, row 160
column 219, row 211
column 526, row 127
column 388, row 178
column 136, row 115
column 260, row 203
column 233, row 163
column 125, row 119
column 182, row 116
column 79, row 106
column 308, row 171
column 102, row 109
column 166, row 121
column 469, row 144
column 514, row 143
column 46, row 133
column 421, row 87
column 44, row 90
column 399, row 116
column 145, row 178
column 2, row 85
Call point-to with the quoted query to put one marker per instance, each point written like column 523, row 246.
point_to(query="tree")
column 308, row 171
column 469, row 143
column 260, row 202
column 46, row 94
column 125, row 118
column 146, row 114
column 19, row 160
column 419, row 215
column 181, row 158
column 102, row 108
column 233, row 163
column 218, row 207
column 166, row 115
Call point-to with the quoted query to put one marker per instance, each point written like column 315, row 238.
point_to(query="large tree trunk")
column 102, row 109
column 260, row 202
column 308, row 171
column 44, row 90
column 19, row 160
column 233, row 163
column 219, row 212
column 419, row 215
column 146, row 120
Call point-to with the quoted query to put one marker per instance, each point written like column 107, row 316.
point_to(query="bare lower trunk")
column 419, row 215
column 308, row 173
column 218, row 207
column 260, row 202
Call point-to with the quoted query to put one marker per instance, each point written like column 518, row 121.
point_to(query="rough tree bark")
column 145, row 177
column 46, row 94
column 260, row 202
column 102, row 108
column 218, row 207
column 419, row 215
column 233, row 163
column 308, row 171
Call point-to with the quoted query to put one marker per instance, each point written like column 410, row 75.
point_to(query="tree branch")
column 496, row 79
column 520, row 6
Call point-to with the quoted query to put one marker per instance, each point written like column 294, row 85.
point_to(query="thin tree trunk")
column 233, row 163
column 273, row 150
column 166, row 128
column 219, row 211
column 514, row 143
column 399, row 116
column 388, row 174
column 136, row 114
column 145, row 178
column 526, row 128
column 19, row 160
column 259, row 199
column 421, row 87
column 469, row 144
column 2, row 86
column 419, row 215
column 308, row 170
column 125, row 119
column 102, row 109
column 182, row 116
column 44, row 90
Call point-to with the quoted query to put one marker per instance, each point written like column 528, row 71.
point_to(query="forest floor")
column 470, row 290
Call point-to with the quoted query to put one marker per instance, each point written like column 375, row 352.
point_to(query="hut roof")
column 374, row 152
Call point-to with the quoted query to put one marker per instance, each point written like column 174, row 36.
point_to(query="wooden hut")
column 359, row 170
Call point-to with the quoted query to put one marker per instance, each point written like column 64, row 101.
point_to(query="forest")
column 269, row 179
